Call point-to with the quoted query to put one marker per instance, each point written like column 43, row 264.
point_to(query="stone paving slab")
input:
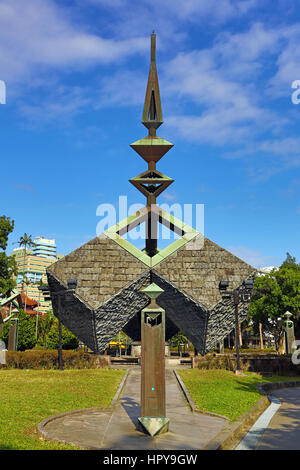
column 118, row 428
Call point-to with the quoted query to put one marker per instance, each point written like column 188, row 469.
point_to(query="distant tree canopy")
column 274, row 294
column 8, row 266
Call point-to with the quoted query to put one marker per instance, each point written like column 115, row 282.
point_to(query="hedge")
column 274, row 363
column 48, row 359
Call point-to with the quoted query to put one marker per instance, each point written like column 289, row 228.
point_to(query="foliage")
column 43, row 359
column 26, row 242
column 250, row 362
column 26, row 331
column 123, row 338
column 119, row 345
column 44, row 327
column 274, row 294
column 178, row 339
column 8, row 266
column 34, row 395
column 69, row 341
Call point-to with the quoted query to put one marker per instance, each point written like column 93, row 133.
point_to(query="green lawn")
column 222, row 392
column 28, row 397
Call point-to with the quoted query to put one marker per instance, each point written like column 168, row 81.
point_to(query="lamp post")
column 236, row 296
column 13, row 334
column 37, row 315
column 71, row 283
column 289, row 333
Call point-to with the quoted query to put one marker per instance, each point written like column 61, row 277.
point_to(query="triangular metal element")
column 156, row 182
column 153, row 290
column 151, row 148
column 154, row 426
column 152, row 113
column 182, row 229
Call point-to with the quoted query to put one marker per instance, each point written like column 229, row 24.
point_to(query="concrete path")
column 283, row 432
column 254, row 435
column 118, row 429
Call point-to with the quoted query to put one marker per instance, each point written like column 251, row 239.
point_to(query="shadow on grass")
column 7, row 447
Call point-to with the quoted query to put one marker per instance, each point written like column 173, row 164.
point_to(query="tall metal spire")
column 152, row 113
column 152, row 148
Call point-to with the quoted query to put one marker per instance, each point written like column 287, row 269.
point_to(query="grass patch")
column 222, row 392
column 28, row 397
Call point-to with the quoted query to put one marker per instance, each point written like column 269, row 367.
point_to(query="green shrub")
column 69, row 341
column 253, row 363
column 26, row 331
column 39, row 359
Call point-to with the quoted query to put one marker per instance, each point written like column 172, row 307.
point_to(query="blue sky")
column 76, row 74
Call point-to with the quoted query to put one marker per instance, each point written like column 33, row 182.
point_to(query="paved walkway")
column 283, row 432
column 118, row 429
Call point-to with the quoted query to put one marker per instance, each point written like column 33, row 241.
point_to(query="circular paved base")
column 97, row 428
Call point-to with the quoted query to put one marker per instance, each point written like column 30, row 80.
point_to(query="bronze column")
column 153, row 388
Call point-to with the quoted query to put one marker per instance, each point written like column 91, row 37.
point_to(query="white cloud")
column 168, row 196
column 230, row 109
column 215, row 95
column 253, row 257
column 61, row 103
column 288, row 61
column 37, row 34
column 190, row 10
column 123, row 88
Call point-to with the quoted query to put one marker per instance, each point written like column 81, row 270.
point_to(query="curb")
column 119, row 391
column 233, row 433
column 41, row 426
column 237, row 430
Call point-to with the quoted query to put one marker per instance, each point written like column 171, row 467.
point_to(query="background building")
column 32, row 266
column 45, row 248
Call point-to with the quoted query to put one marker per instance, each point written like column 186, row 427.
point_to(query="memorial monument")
column 113, row 275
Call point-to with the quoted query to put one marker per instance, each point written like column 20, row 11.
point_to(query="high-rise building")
column 44, row 247
column 32, row 265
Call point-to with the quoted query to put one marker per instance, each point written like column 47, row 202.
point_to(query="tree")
column 25, row 241
column 121, row 339
column 178, row 339
column 26, row 332
column 69, row 341
column 8, row 266
column 274, row 294
column 44, row 327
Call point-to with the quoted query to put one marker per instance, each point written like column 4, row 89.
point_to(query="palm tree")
column 26, row 242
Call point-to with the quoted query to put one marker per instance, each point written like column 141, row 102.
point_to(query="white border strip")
column 254, row 435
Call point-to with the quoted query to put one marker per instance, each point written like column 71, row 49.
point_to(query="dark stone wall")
column 133, row 328
column 74, row 314
column 114, row 314
column 189, row 316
